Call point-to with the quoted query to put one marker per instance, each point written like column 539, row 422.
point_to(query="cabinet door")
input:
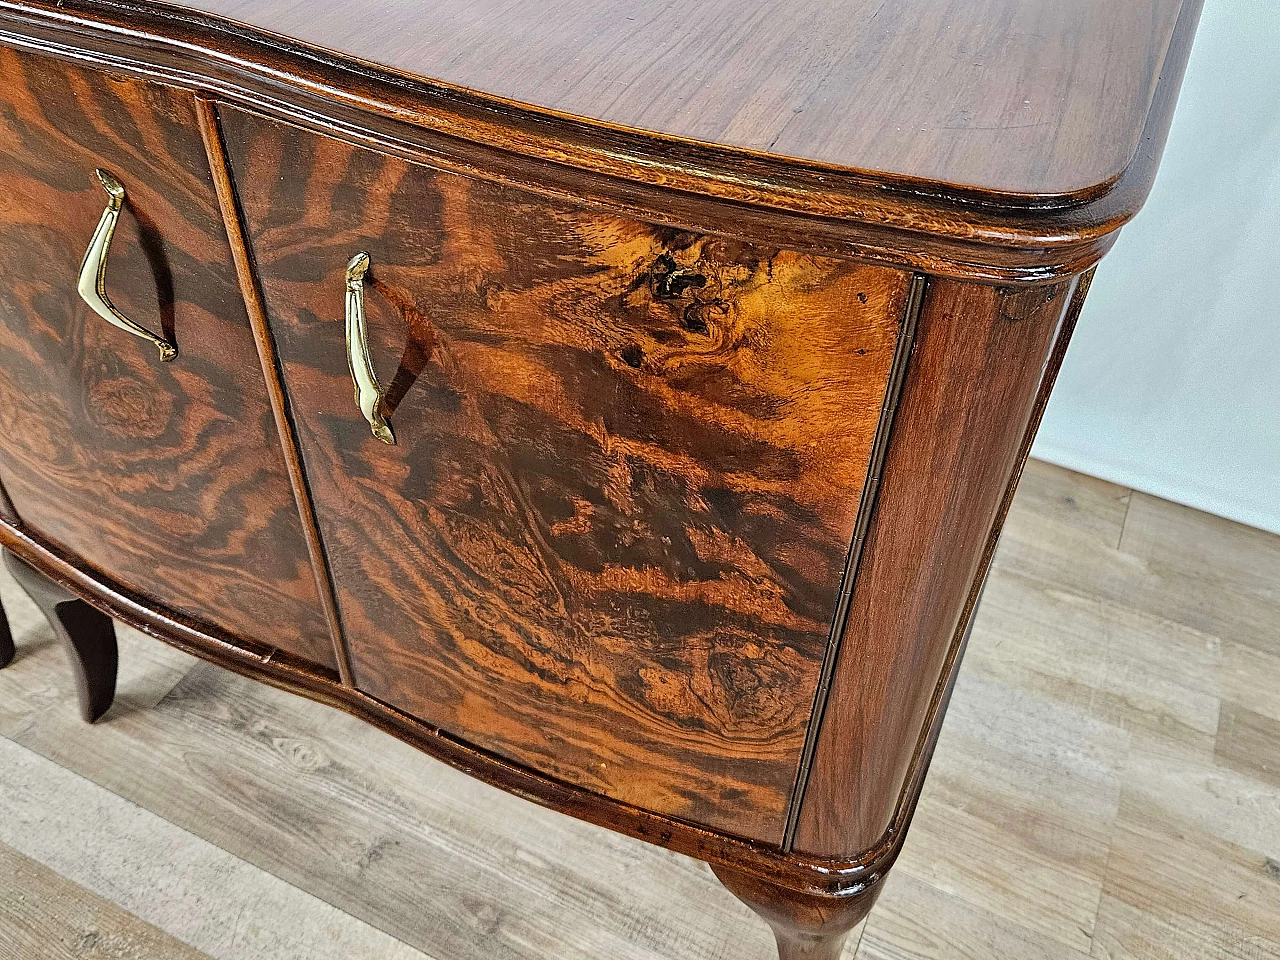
column 608, row 541
column 166, row 476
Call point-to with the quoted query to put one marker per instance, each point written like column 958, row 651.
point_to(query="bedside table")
column 620, row 408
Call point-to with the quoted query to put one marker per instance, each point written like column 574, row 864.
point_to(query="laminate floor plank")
column 1250, row 676
column 1233, row 559
column 433, row 857
column 914, row 920
column 1018, row 810
column 172, row 879
column 1125, row 932
column 1249, row 743
column 1181, row 592
column 1159, row 681
column 1102, row 787
column 1194, row 869
column 47, row 917
column 1051, row 499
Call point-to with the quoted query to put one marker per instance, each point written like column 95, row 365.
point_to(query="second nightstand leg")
column 88, row 636
column 806, row 927
column 6, row 641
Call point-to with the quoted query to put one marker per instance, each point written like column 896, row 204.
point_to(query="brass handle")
column 93, row 270
column 369, row 394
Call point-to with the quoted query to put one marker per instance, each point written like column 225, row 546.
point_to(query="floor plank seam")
column 1124, row 522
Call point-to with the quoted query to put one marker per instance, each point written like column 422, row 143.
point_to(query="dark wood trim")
column 7, row 650
column 805, row 928
column 902, row 353
column 946, row 684
column 1047, row 380
column 927, row 226
column 85, row 632
column 7, row 512
column 206, row 114
column 968, row 409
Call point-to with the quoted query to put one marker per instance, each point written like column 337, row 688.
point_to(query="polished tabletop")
column 1024, row 97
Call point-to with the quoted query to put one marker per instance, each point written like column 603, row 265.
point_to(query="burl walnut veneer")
column 622, row 409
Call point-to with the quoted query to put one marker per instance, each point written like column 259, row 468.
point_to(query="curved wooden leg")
column 806, row 927
column 88, row 636
column 7, row 650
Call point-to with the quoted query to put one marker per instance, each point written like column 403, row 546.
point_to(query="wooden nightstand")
column 620, row 407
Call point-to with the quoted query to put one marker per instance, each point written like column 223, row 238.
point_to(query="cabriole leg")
column 88, row 636
column 6, row 641
column 806, row 927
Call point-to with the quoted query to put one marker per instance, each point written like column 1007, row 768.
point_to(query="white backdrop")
column 1172, row 382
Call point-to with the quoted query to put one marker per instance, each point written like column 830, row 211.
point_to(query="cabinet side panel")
column 980, row 355
column 167, row 477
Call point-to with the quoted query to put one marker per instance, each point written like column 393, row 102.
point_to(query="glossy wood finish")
column 7, row 513
column 7, row 649
column 805, row 927
column 610, row 539
column 1030, row 97
column 608, row 567
column 805, row 875
column 983, row 352
column 167, row 476
column 936, row 227
column 86, row 633
column 207, row 115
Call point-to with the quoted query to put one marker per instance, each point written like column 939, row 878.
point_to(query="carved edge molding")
column 702, row 187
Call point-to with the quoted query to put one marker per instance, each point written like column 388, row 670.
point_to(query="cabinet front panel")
column 609, row 539
column 167, row 477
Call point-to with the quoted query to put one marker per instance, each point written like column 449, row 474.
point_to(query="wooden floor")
column 1107, row 785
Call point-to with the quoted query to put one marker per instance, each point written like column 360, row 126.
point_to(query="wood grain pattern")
column 207, row 115
column 805, row 928
column 166, row 876
column 1033, row 97
column 982, row 351
column 610, row 540
column 166, row 476
column 47, row 917
column 1248, row 742
column 602, row 566
column 7, row 512
column 437, row 860
column 885, row 851
column 804, row 875
column 705, row 187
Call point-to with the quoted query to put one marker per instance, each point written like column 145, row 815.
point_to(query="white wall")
column 1172, row 382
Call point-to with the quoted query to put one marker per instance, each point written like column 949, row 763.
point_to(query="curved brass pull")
column 93, row 269
column 368, row 391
